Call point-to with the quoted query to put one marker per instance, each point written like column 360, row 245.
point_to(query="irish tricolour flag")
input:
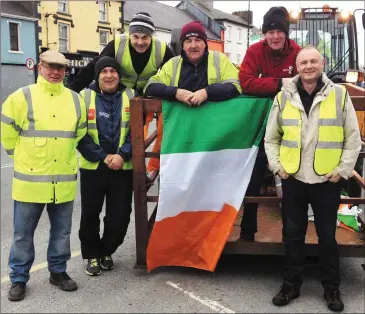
column 206, row 162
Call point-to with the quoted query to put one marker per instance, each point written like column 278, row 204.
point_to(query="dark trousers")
column 116, row 187
column 249, row 219
column 325, row 200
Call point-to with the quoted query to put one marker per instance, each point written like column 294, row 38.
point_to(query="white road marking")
column 213, row 305
column 40, row 266
column 7, row 166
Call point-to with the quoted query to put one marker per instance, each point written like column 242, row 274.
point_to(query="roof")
column 220, row 15
column 165, row 17
column 16, row 8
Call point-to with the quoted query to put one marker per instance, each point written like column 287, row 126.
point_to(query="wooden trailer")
column 269, row 238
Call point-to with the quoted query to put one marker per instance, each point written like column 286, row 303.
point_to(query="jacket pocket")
column 40, row 147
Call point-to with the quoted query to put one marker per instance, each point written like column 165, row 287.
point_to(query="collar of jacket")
column 203, row 60
column 292, row 91
column 282, row 52
column 54, row 88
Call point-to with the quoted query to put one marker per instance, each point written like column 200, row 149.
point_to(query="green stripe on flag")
column 238, row 123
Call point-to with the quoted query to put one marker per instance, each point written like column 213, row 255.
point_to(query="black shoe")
column 333, row 298
column 93, row 267
column 286, row 294
column 63, row 281
column 248, row 236
column 107, row 263
column 17, row 291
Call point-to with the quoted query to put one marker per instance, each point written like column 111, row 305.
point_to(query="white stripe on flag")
column 204, row 181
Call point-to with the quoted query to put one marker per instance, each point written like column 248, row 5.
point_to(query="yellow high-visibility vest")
column 220, row 70
column 123, row 55
column 330, row 133
column 48, row 120
column 89, row 97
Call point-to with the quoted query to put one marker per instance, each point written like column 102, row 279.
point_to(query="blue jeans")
column 26, row 218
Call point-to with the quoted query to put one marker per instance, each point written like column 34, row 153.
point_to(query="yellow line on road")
column 40, row 266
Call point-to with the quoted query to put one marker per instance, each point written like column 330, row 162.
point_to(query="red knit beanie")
column 194, row 28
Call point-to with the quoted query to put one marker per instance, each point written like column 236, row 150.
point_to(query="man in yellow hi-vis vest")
column 198, row 74
column 312, row 142
column 139, row 53
column 41, row 125
column 105, row 166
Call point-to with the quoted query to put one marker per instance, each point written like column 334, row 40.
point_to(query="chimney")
column 246, row 15
column 207, row 4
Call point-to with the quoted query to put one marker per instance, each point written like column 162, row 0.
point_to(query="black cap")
column 276, row 18
column 104, row 62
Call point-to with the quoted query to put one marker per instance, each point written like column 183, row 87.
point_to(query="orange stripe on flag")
column 190, row 239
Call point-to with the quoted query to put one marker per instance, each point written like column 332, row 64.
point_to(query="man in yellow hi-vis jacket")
column 312, row 142
column 105, row 167
column 41, row 125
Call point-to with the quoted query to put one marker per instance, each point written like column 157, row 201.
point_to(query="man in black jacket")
column 139, row 53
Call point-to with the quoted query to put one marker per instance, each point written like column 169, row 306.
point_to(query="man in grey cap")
column 139, row 53
column 41, row 125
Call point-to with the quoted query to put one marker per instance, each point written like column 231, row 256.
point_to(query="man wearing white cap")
column 139, row 53
column 41, row 125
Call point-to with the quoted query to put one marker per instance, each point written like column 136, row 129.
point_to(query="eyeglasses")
column 54, row 66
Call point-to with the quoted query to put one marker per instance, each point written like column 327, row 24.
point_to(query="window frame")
column 107, row 39
column 104, row 12
column 68, row 37
column 65, row 5
column 18, row 24
column 229, row 33
column 239, row 35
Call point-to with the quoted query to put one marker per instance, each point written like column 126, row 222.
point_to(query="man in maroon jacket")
column 266, row 67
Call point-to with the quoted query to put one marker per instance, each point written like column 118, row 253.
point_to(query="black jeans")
column 116, row 187
column 325, row 200
column 249, row 219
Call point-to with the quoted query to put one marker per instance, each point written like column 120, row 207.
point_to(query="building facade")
column 18, row 43
column 78, row 29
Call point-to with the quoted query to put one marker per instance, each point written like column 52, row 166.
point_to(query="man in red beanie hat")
column 198, row 74
column 266, row 67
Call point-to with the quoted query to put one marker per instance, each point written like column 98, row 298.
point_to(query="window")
column 14, row 36
column 63, row 6
column 228, row 33
column 102, row 11
column 238, row 58
column 63, row 37
column 103, row 35
column 239, row 35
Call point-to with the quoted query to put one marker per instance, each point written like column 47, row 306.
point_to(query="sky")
column 259, row 8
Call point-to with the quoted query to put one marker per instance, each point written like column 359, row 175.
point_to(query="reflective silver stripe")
column 45, row 178
column 175, row 65
column 330, row 145
column 87, row 98
column 120, row 52
column 10, row 121
column 217, row 65
column 130, row 93
column 83, row 125
column 76, row 99
column 30, row 115
column 125, row 124
column 92, row 126
column 235, row 81
column 338, row 121
column 290, row 122
column 283, row 101
column 290, row 144
column 158, row 54
column 43, row 133
column 10, row 151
